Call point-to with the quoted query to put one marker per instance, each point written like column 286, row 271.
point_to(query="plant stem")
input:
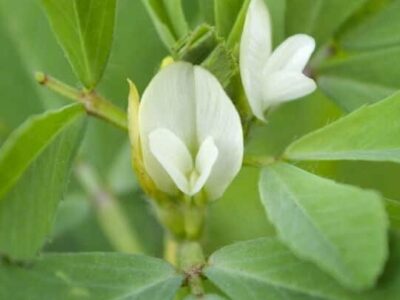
column 258, row 161
column 188, row 257
column 170, row 249
column 94, row 104
column 191, row 261
column 187, row 254
column 195, row 283
column 109, row 213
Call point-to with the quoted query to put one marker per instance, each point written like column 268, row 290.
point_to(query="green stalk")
column 184, row 224
column 110, row 215
column 191, row 261
column 258, row 161
column 188, row 257
column 170, row 249
column 94, row 104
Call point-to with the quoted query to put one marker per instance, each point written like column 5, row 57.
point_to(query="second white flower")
column 270, row 78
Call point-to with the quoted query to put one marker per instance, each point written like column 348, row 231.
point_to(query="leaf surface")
column 328, row 223
column 318, row 18
column 356, row 79
column 169, row 19
column 253, row 269
column 34, row 169
column 371, row 133
column 100, row 276
column 84, row 29
column 380, row 30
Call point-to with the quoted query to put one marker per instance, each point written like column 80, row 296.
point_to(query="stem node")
column 41, row 78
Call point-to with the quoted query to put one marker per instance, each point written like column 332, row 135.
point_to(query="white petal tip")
column 304, row 40
column 173, row 156
column 286, row 86
column 205, row 160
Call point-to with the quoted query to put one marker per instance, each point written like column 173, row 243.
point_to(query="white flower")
column 270, row 78
column 190, row 132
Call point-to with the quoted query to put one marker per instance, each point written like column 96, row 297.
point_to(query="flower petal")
column 205, row 160
column 292, row 55
column 168, row 102
column 173, row 155
column 255, row 48
column 190, row 102
column 217, row 117
column 285, row 86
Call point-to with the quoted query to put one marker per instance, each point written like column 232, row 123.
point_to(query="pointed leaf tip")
column 84, row 29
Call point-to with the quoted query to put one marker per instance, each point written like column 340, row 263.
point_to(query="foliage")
column 322, row 223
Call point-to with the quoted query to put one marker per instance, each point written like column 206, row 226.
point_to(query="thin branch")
column 94, row 104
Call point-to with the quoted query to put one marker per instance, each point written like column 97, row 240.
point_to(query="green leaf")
column 233, row 40
column 206, row 297
column 169, row 19
column 388, row 287
column 32, row 52
column 368, row 10
column 260, row 268
column 15, row 84
column 318, row 18
column 351, row 94
column 373, row 73
column 226, row 13
column 380, row 30
column 328, row 223
column 253, row 269
column 34, row 168
column 100, row 276
column 84, row 28
column 370, row 133
column 377, row 31
column 393, row 211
